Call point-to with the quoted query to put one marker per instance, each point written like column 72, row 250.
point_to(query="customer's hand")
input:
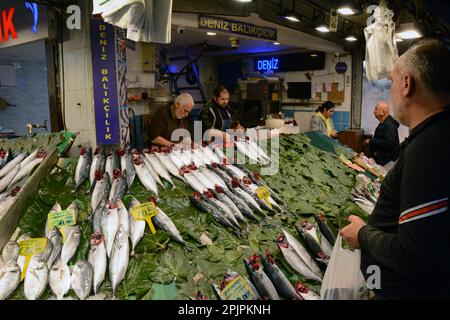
column 350, row 232
column 334, row 134
column 366, row 142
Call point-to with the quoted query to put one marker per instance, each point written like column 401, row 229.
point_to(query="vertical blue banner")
column 104, row 72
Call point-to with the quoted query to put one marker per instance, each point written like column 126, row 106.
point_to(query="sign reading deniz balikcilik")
column 237, row 27
column 105, row 82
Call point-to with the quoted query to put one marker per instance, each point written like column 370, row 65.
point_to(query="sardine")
column 119, row 259
column 70, row 244
column 137, row 228
column 83, row 167
column 144, row 175
column 126, row 163
column 101, row 189
column 109, row 226
column 9, row 279
column 36, row 278
column 97, row 258
column 112, row 163
column 81, row 280
column 261, row 281
column 10, row 252
column 98, row 164
column 60, row 279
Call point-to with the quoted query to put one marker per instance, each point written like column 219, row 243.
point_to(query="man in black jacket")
column 408, row 233
column 385, row 144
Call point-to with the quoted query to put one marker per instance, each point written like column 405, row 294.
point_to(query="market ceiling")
column 431, row 16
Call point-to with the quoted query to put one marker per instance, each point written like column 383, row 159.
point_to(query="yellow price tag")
column 238, row 289
column 62, row 218
column 145, row 211
column 28, row 248
column 263, row 193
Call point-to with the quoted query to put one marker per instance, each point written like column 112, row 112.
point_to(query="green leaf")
column 164, row 291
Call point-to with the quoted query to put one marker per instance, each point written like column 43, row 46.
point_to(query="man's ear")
column 408, row 85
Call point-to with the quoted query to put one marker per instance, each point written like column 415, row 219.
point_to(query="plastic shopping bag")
column 343, row 279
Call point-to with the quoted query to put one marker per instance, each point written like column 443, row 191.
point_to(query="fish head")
column 200, row 296
column 192, row 166
column 301, row 288
column 234, row 183
column 208, row 194
column 121, row 152
column 135, row 151
column 306, row 225
column 14, row 191
column 269, row 257
column 214, row 165
column 3, row 153
column 41, row 154
column 146, row 150
column 225, row 161
column 218, row 189
column 98, row 175
column 117, row 173
column 111, row 205
column 165, row 149
column 254, row 262
column 83, row 151
column 246, row 180
column 281, row 242
column 197, row 196
column 137, row 160
column 97, row 238
column 153, row 199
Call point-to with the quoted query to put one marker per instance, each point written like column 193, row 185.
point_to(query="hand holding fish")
column 350, row 232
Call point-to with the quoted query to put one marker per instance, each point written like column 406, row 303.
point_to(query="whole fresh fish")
column 305, row 293
column 9, row 279
column 8, row 178
column 159, row 168
column 119, row 185
column 144, row 175
column 9, row 201
column 291, row 244
column 112, row 163
column 193, row 181
column 98, row 164
column 83, row 167
column 70, row 244
column 163, row 222
column 60, row 279
column 119, row 259
column 98, row 216
column 245, row 150
column 171, row 168
column 247, row 198
column 262, row 156
column 81, row 280
column 203, row 178
column 212, row 176
column 241, row 204
column 137, row 227
column 261, row 281
column 12, row 164
column 124, row 220
column 10, row 252
column 176, row 159
column 30, row 157
column 152, row 170
column 231, row 205
column 21, row 259
column 250, row 188
column 210, row 155
column 25, row 169
column 47, row 252
column 314, row 247
column 223, row 208
column 56, row 241
column 66, row 229
column 4, row 157
column 326, row 232
column 101, row 189
column 97, row 258
column 126, row 163
column 278, row 278
column 109, row 226
column 36, row 278
column 48, row 230
column 197, row 158
column 199, row 202
column 219, row 153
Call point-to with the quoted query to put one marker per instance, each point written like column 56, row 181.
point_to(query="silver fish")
column 66, row 229
column 98, row 216
column 119, row 185
column 101, row 189
column 233, row 208
column 59, row 279
column 97, row 258
column 109, row 226
column 137, row 227
column 30, row 157
column 261, row 281
column 124, row 221
column 36, row 278
column 26, row 169
column 126, row 163
column 305, row 293
column 10, row 252
column 112, row 163
column 81, row 280
column 171, row 168
column 6, row 180
column 9, row 279
column 194, row 183
column 83, row 167
column 56, row 240
column 159, row 168
column 12, row 164
column 21, row 259
column 47, row 252
column 163, row 222
column 152, row 171
column 70, row 244
column 48, row 231
column 145, row 175
column 4, row 157
column 98, row 164
column 119, row 259
column 176, row 160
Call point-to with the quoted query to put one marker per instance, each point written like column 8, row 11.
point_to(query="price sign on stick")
column 145, row 211
column 238, row 289
column 28, row 248
column 263, row 193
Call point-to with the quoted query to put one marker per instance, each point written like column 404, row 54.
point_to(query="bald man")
column 385, row 144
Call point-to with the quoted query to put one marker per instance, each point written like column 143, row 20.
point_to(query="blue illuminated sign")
column 35, row 11
column 267, row 64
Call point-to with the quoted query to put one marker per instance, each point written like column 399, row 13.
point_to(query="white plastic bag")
column 343, row 279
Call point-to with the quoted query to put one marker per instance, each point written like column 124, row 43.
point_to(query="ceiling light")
column 292, row 18
column 351, row 38
column 243, row 1
column 276, row 43
column 408, row 31
column 397, row 39
column 323, row 28
column 346, row 11
column 211, row 33
column 313, row 55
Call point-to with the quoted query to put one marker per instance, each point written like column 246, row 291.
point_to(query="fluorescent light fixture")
column 276, row 43
column 409, row 34
column 313, row 55
column 397, row 39
column 211, row 33
column 244, row 1
column 346, row 11
column 351, row 38
column 292, row 18
column 323, row 28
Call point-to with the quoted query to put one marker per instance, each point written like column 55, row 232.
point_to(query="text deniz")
column 7, row 26
column 268, row 64
column 226, row 309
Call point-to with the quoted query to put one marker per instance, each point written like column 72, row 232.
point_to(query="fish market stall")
column 150, row 224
